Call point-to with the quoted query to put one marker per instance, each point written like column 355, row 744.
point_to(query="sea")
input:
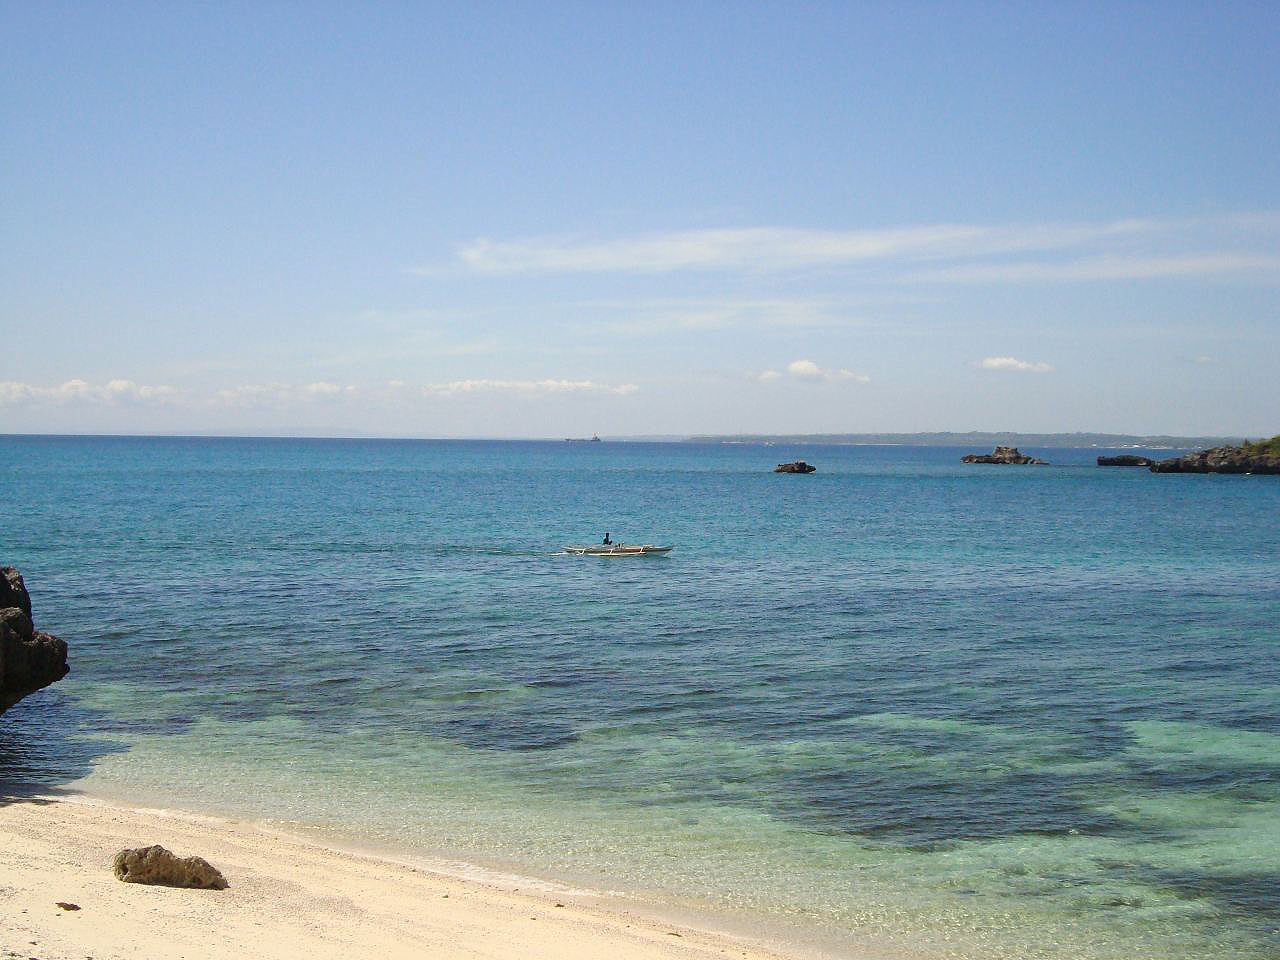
column 901, row 707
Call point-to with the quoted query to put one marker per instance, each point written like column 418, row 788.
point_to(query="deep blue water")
column 980, row 711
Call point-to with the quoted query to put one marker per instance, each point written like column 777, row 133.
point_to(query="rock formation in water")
column 798, row 466
column 156, row 865
column 1125, row 460
column 30, row 659
column 1001, row 455
column 1261, row 457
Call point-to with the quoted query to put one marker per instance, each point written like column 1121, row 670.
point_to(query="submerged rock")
column 798, row 466
column 30, row 659
column 1125, row 460
column 1250, row 458
column 158, row 866
column 1002, row 455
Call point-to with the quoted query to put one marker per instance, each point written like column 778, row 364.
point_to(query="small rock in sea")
column 1125, row 460
column 1008, row 455
column 156, row 865
column 66, row 906
column 798, row 466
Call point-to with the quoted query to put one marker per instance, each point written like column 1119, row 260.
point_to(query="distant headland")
column 979, row 439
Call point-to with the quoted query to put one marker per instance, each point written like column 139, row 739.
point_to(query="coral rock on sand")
column 1002, row 455
column 798, row 467
column 29, row 658
column 156, row 865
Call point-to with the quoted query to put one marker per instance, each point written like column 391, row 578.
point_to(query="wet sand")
column 290, row 897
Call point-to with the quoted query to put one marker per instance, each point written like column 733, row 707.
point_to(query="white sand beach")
column 289, row 897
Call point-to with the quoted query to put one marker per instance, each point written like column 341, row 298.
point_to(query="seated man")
column 607, row 541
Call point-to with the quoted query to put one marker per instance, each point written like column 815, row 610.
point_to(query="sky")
column 558, row 219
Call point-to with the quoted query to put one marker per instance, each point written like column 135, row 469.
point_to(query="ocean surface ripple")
column 900, row 704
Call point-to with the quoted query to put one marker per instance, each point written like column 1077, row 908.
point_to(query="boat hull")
column 614, row 550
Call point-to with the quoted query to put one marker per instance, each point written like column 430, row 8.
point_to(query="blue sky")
column 558, row 219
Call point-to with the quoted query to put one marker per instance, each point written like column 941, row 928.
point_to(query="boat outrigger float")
column 614, row 549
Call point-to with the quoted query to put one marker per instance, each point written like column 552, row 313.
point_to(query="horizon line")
column 633, row 437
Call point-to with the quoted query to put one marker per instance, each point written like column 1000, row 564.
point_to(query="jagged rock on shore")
column 1254, row 458
column 799, row 466
column 1125, row 460
column 160, row 867
column 1009, row 455
column 30, row 659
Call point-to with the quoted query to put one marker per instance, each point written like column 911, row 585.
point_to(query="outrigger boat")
column 614, row 549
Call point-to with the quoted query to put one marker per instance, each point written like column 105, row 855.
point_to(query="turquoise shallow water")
column 904, row 704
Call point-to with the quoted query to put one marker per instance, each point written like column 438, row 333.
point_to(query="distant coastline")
column 944, row 439
column 979, row 439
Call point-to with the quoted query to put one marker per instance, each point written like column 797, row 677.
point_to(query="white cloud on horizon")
column 326, row 389
column 526, row 386
column 13, row 392
column 257, row 395
column 810, row 372
column 1013, row 363
column 279, row 395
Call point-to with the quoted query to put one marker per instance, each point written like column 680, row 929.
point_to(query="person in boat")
column 607, row 541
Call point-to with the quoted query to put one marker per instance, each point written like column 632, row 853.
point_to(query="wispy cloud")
column 776, row 248
column 1112, row 268
column 1014, row 364
column 692, row 315
column 1235, row 246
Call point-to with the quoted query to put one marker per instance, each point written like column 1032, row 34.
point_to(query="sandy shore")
column 290, row 897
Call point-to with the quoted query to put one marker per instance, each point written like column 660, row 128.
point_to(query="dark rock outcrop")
column 158, row 866
column 13, row 592
column 30, row 659
column 1001, row 455
column 1125, row 460
column 1222, row 460
column 798, row 467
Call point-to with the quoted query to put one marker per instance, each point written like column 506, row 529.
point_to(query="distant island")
column 977, row 439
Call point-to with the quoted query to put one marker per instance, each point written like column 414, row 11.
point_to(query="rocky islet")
column 1261, row 458
column 1002, row 455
